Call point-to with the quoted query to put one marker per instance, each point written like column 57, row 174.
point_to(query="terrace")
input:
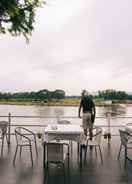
column 92, row 171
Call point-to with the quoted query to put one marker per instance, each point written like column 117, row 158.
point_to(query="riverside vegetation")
column 58, row 98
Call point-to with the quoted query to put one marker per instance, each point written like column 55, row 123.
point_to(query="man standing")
column 88, row 113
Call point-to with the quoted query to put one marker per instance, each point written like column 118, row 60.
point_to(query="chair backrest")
column 54, row 152
column 97, row 134
column 18, row 135
column 21, row 133
column 3, row 128
column 123, row 137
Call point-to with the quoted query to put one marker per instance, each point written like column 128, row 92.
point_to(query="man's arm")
column 93, row 107
column 93, row 113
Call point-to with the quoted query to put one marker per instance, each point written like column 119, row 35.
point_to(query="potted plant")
column 105, row 135
column 109, row 135
column 39, row 135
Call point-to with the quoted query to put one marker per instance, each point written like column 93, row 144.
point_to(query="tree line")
column 59, row 94
column 41, row 95
column 111, row 94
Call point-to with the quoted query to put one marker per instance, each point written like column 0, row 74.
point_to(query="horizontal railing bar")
column 111, row 117
column 30, row 125
column 44, row 117
column 39, row 125
column 36, row 134
column 120, row 117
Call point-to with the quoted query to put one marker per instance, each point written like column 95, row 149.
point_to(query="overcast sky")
column 77, row 44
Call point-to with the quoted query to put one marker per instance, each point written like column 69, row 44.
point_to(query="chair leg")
column 125, row 156
column 31, row 155
column 7, row 139
column 2, row 145
column 101, row 154
column 64, row 172
column 85, row 153
column 119, row 151
column 96, row 151
column 68, row 159
column 44, row 156
column 36, row 148
column 15, row 155
column 80, row 156
column 78, row 147
column 20, row 151
column 48, row 171
column 71, row 145
column 45, row 169
column 68, row 150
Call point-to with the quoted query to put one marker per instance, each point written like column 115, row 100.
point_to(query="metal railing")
column 108, row 126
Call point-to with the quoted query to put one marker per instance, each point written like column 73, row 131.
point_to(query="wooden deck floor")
column 93, row 172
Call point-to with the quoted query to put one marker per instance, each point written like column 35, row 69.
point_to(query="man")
column 88, row 113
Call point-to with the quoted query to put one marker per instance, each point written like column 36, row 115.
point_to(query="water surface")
column 64, row 113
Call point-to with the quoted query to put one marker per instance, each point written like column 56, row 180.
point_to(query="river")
column 121, row 110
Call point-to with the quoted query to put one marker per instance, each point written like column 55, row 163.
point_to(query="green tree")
column 17, row 16
column 43, row 94
column 110, row 94
column 58, row 94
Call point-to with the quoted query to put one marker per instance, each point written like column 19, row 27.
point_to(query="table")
column 61, row 132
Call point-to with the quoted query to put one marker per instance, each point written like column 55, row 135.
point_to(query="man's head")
column 85, row 93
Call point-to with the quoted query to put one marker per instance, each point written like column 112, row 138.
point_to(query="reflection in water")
column 42, row 111
column 50, row 111
column 114, row 110
column 59, row 112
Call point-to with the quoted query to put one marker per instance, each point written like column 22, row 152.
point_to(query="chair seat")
column 25, row 142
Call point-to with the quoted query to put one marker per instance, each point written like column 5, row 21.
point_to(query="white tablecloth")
column 63, row 132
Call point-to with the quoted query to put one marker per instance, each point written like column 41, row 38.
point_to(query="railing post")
column 107, row 134
column 9, row 127
column 109, row 126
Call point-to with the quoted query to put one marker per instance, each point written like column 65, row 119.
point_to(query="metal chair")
column 94, row 143
column 54, row 154
column 25, row 137
column 3, row 131
column 126, row 141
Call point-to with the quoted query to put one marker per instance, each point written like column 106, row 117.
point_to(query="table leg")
column 81, row 156
column 44, row 150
